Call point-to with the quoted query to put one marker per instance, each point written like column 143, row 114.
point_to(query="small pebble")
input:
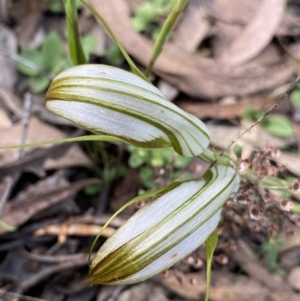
column 293, row 278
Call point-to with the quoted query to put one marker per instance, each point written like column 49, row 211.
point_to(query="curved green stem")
column 213, row 158
column 178, row 8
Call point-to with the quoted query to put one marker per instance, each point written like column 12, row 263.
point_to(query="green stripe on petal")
column 166, row 230
column 111, row 101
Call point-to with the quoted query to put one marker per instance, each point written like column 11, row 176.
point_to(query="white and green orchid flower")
column 110, row 101
column 165, row 230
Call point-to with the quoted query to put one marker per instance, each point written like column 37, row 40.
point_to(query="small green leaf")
column 296, row 208
column 182, row 162
column 7, row 227
column 39, row 84
column 88, row 43
column 139, row 24
column 145, row 14
column 33, row 56
column 137, row 158
column 237, row 151
column 52, row 50
column 92, row 189
column 114, row 56
column 157, row 162
column 147, row 177
column 57, row 6
column 278, row 126
column 295, row 99
column 210, row 245
column 252, row 114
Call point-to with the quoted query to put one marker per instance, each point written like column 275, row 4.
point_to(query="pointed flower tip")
column 110, row 101
column 164, row 231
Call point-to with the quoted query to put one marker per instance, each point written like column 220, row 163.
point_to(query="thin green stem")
column 213, row 158
column 173, row 16
column 210, row 245
column 75, row 48
column 133, row 67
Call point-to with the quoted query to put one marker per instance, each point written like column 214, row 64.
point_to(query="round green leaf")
column 295, row 99
column 278, row 126
column 35, row 58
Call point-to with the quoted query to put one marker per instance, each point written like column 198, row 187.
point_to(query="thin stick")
column 262, row 117
column 18, row 154
column 18, row 296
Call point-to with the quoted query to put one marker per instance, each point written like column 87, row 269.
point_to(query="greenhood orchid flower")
column 165, row 230
column 110, row 101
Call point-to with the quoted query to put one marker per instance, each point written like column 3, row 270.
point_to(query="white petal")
column 160, row 227
column 123, row 92
column 177, row 253
column 102, row 120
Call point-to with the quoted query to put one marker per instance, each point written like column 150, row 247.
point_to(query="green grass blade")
column 75, row 47
column 102, row 138
column 167, row 27
column 132, row 65
column 210, row 244
column 7, row 227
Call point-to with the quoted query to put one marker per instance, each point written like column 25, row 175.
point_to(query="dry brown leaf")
column 225, row 34
column 248, row 261
column 5, row 122
column 291, row 161
column 237, row 12
column 39, row 131
column 11, row 102
column 33, row 161
column 167, row 89
column 31, row 201
column 240, row 12
column 198, row 77
column 257, row 34
column 192, row 28
column 134, row 4
column 146, row 291
column 232, row 110
column 290, row 25
column 126, row 190
column 27, row 15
